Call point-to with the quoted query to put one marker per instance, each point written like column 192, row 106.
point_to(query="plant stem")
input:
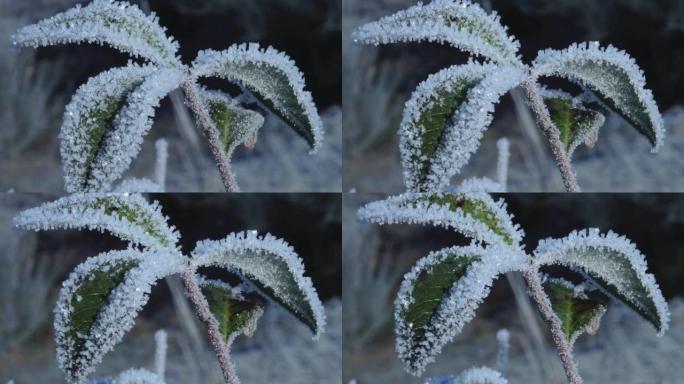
column 220, row 347
column 536, row 291
column 215, row 145
column 537, row 105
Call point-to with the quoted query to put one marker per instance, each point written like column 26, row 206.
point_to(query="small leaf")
column 475, row 215
column 445, row 118
column 440, row 295
column 461, row 24
column 577, row 311
column 236, row 125
column 105, row 22
column 130, row 217
column 575, row 122
column 615, row 265
column 235, row 315
column 274, row 80
column 613, row 77
column 272, row 266
column 98, row 304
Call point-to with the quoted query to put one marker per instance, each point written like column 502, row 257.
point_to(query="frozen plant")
column 443, row 289
column 446, row 116
column 99, row 301
column 107, row 118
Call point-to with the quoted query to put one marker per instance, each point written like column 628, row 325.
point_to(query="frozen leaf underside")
column 236, row 125
column 105, row 22
column 274, row 80
column 475, row 215
column 577, row 313
column 98, row 304
column 575, row 123
column 445, row 119
column 440, row 295
column 235, row 316
column 270, row 265
column 130, row 217
column 614, row 78
column 615, row 265
column 459, row 23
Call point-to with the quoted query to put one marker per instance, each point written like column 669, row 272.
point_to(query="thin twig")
column 202, row 115
column 536, row 291
column 552, row 135
column 220, row 347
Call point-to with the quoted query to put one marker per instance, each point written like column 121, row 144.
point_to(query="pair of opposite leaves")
column 99, row 301
column 443, row 290
column 107, row 118
column 445, row 117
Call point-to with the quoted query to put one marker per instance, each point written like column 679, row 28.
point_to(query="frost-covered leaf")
column 613, row 77
column 476, row 215
column 130, row 217
column 236, row 125
column 615, row 265
column 105, row 22
column 440, row 295
column 577, row 311
column 122, row 140
column 235, row 313
column 576, row 123
column 99, row 301
column 459, row 23
column 274, row 80
column 478, row 375
column 445, row 118
column 139, row 376
column 272, row 266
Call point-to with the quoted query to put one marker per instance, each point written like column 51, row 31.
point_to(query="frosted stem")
column 502, row 351
column 215, row 337
column 536, row 291
column 537, row 105
column 202, row 116
column 160, row 353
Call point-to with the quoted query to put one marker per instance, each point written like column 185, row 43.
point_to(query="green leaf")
column 578, row 313
column 234, row 315
column 272, row 78
column 614, row 78
column 576, row 123
column 475, row 215
column 615, row 265
column 236, row 125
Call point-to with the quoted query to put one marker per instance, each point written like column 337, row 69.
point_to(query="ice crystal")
column 459, row 23
column 478, row 216
column 129, row 217
column 83, row 338
column 616, row 266
column 445, row 118
column 418, row 346
column 614, row 77
column 273, row 78
column 105, row 22
column 272, row 266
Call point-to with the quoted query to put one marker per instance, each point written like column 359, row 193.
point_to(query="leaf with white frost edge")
column 577, row 311
column 613, row 77
column 477, row 375
column 99, row 301
column 273, row 79
column 440, row 295
column 615, row 265
column 105, row 22
column 476, row 215
column 459, row 23
column 576, row 123
column 129, row 217
column 123, row 142
column 445, row 119
column 272, row 266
